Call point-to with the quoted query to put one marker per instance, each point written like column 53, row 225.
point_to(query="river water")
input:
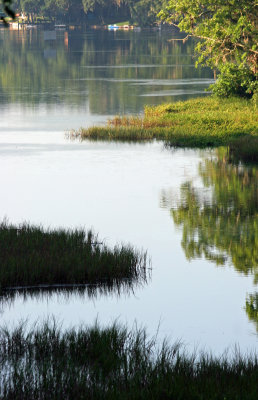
column 195, row 214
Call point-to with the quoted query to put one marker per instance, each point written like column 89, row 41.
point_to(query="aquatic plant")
column 201, row 122
column 115, row 363
column 32, row 256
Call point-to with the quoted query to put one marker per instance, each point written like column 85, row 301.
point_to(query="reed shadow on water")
column 92, row 291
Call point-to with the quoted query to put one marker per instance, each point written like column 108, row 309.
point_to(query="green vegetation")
column 115, row 363
column 7, row 12
column 198, row 122
column 142, row 12
column 31, row 256
column 227, row 39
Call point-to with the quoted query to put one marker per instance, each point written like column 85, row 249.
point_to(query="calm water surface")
column 195, row 214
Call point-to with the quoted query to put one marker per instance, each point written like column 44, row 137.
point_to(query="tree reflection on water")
column 251, row 307
column 219, row 221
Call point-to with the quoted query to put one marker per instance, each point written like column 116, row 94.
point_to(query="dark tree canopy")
column 7, row 7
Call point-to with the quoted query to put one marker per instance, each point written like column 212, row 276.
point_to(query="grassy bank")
column 31, row 256
column 115, row 363
column 198, row 122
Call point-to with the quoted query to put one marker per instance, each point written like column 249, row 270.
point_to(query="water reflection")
column 77, row 68
column 219, row 218
column 112, row 288
column 221, row 225
column 251, row 307
column 116, row 188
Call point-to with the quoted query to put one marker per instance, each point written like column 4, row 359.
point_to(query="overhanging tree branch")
column 8, row 10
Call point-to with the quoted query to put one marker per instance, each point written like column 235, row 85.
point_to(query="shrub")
column 235, row 81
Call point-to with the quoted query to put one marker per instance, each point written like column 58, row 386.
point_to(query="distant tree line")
column 142, row 12
column 226, row 30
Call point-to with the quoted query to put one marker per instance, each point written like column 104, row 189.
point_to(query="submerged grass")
column 115, row 363
column 32, row 256
column 197, row 122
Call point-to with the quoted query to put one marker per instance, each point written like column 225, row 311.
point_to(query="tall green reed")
column 116, row 363
column 33, row 256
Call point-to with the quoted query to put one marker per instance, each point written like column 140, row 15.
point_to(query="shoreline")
column 195, row 123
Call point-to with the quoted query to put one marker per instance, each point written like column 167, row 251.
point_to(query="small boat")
column 31, row 26
column 113, row 27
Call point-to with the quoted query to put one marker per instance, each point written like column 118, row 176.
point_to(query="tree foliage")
column 227, row 33
column 7, row 6
column 142, row 12
column 102, row 7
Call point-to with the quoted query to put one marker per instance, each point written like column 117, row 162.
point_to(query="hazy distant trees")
column 142, row 12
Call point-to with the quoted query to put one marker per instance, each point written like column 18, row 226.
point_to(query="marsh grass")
column 32, row 256
column 48, row 362
column 198, row 122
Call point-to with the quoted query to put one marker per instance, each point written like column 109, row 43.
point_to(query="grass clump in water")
column 115, row 363
column 31, row 256
column 197, row 122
